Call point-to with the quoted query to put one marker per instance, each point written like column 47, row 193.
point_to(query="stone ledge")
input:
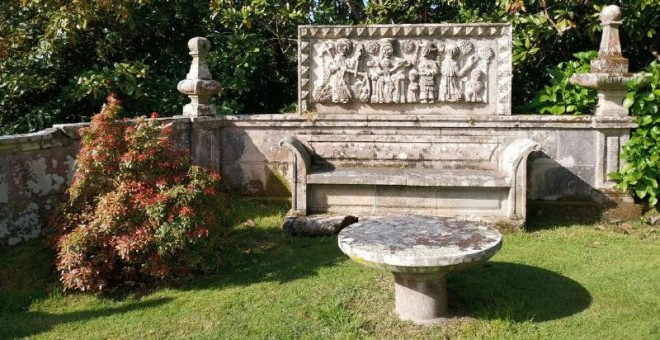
column 44, row 139
column 429, row 121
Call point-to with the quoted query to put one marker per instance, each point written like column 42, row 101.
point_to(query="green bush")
column 136, row 202
column 59, row 58
column 642, row 153
column 562, row 97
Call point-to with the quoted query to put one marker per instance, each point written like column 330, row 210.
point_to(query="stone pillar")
column 206, row 143
column 205, row 137
column 199, row 85
column 609, row 75
column 421, row 298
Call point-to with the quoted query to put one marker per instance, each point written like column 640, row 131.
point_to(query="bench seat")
column 420, row 177
column 328, row 182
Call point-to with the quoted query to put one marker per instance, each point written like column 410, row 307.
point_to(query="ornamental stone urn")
column 609, row 72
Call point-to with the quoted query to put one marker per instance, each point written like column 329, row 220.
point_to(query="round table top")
column 419, row 244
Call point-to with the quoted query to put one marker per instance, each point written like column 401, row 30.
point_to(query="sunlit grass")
column 570, row 282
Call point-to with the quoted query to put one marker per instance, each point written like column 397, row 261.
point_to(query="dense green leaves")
column 642, row 153
column 560, row 96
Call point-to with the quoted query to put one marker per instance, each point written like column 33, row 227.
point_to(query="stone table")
column 419, row 251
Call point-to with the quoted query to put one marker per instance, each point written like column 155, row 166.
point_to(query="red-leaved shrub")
column 135, row 202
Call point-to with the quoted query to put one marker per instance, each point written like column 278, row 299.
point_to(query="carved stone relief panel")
column 427, row 69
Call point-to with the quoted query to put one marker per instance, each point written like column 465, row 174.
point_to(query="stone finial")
column 611, row 13
column 609, row 72
column 610, row 59
column 199, row 85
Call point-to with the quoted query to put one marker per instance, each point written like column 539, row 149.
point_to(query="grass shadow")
column 256, row 250
column 26, row 324
column 511, row 291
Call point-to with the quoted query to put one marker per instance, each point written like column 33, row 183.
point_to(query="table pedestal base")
column 421, row 298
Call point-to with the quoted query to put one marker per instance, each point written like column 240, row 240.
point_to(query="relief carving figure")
column 427, row 69
column 413, row 87
column 372, row 48
column 335, row 71
column 424, row 72
column 451, row 73
column 476, row 84
column 388, row 73
column 473, row 87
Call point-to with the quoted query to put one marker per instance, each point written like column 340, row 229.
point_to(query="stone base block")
column 421, row 298
column 613, row 207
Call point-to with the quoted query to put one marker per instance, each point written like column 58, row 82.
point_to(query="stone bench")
column 490, row 188
column 387, row 82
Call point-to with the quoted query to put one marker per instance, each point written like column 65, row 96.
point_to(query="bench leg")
column 421, row 298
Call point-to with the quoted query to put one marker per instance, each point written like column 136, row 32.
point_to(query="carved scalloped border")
column 502, row 32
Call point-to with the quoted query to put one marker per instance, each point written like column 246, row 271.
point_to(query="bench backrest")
column 405, row 151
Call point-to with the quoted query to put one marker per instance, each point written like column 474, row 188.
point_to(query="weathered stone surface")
column 316, row 225
column 35, row 171
column 461, row 68
column 412, row 187
column 419, row 244
column 419, row 250
column 253, row 162
column 199, row 85
column 486, row 203
column 410, row 177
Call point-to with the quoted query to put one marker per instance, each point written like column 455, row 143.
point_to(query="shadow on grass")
column 20, row 325
column 510, row 291
column 256, row 250
column 548, row 223
column 268, row 255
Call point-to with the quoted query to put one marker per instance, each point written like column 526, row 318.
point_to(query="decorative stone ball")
column 199, row 45
column 610, row 13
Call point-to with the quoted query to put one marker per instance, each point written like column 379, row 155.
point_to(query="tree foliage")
column 59, row 58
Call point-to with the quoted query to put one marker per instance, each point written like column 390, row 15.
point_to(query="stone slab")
column 401, row 69
column 360, row 200
column 410, row 177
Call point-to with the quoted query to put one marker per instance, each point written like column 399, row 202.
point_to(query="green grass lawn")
column 565, row 283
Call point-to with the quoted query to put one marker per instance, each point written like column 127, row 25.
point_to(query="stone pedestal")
column 610, row 102
column 421, row 298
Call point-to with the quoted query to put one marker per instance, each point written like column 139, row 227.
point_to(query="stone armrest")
column 514, row 153
column 300, row 164
column 513, row 163
column 301, row 158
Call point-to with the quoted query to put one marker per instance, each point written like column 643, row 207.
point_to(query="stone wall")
column 35, row 171
column 576, row 155
column 576, row 152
